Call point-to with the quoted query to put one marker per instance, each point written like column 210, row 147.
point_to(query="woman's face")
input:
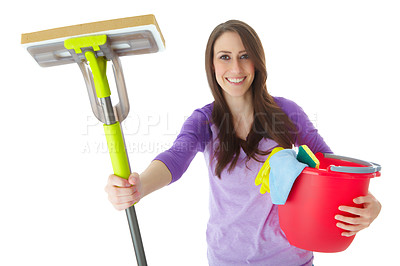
column 234, row 70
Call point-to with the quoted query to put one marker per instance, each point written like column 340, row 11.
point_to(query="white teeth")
column 233, row 80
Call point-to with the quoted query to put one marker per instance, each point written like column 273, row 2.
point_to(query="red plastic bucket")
column 307, row 218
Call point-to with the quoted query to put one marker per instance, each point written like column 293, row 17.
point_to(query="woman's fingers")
column 120, row 192
column 351, row 224
column 350, row 233
column 350, row 227
column 349, row 220
column 123, row 193
column 364, row 215
column 351, row 230
column 133, row 179
column 125, row 201
column 121, row 207
column 364, row 199
column 118, row 181
column 132, row 198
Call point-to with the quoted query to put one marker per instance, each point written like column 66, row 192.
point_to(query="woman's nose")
column 236, row 66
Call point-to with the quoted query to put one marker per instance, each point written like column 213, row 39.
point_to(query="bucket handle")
column 370, row 167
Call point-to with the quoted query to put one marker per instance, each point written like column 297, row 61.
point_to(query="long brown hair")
column 269, row 120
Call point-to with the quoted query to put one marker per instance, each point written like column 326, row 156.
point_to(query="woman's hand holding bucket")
column 364, row 216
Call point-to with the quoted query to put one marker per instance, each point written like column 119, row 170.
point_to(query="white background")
column 339, row 60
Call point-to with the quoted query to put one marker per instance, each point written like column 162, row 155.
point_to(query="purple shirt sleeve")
column 194, row 135
column 307, row 133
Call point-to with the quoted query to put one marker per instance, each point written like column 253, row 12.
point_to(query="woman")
column 236, row 133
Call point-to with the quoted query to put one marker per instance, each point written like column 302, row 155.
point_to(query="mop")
column 91, row 45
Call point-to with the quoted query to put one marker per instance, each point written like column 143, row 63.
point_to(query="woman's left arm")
column 365, row 215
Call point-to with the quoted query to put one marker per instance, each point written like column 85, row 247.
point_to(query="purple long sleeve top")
column 243, row 227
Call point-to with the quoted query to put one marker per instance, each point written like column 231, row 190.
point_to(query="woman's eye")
column 224, row 57
column 245, row 56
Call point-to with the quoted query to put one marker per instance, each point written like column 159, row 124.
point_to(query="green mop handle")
column 115, row 143
column 112, row 128
column 120, row 164
column 116, row 148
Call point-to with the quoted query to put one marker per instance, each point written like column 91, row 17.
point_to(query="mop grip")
column 116, row 148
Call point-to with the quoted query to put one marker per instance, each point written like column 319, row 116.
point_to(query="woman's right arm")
column 123, row 193
column 167, row 167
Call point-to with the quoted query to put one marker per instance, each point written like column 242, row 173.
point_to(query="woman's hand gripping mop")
column 92, row 45
column 281, row 169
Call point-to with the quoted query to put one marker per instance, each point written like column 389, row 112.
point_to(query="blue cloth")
column 285, row 168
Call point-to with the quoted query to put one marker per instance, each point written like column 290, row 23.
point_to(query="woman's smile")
column 236, row 81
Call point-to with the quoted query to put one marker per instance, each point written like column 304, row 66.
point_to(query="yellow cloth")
column 263, row 175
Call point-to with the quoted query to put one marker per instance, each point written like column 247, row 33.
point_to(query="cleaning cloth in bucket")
column 285, row 168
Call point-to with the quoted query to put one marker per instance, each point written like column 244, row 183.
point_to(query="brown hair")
column 269, row 120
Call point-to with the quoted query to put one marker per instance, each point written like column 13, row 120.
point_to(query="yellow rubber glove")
column 263, row 175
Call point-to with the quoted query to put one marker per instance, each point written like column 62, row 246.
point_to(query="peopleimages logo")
column 144, row 133
column 141, row 125
column 131, row 147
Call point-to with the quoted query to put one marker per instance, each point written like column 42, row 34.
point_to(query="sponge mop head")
column 126, row 36
column 306, row 156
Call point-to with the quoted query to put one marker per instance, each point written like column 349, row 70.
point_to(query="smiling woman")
column 244, row 111
column 233, row 68
column 236, row 133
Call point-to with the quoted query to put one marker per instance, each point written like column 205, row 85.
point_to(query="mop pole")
column 115, row 143
column 96, row 43
column 119, row 159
